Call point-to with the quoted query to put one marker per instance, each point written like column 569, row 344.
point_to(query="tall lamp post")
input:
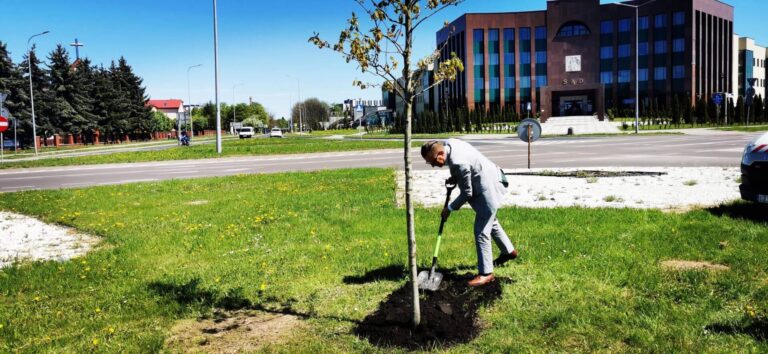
column 637, row 61
column 216, row 76
column 189, row 97
column 32, row 92
column 301, row 107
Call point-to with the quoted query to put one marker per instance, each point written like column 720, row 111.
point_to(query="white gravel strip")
column 682, row 188
column 24, row 238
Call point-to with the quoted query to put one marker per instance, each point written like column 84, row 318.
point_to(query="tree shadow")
column 757, row 213
column 190, row 293
column 449, row 316
column 757, row 329
column 389, row 273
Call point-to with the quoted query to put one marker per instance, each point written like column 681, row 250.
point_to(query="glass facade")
column 478, row 51
column 494, row 72
column 540, row 45
column 525, row 65
column 509, row 67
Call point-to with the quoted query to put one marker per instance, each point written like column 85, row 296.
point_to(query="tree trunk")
column 408, row 93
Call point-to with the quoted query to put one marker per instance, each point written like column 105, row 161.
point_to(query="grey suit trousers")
column 487, row 227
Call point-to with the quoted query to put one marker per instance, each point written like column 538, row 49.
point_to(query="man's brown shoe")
column 504, row 258
column 481, row 280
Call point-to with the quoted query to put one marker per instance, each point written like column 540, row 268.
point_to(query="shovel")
column 430, row 280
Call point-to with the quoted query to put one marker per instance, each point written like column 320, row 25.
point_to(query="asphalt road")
column 610, row 151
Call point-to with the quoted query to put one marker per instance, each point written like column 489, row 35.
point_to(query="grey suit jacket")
column 478, row 179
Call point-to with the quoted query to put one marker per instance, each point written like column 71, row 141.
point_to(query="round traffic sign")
column 522, row 129
column 3, row 124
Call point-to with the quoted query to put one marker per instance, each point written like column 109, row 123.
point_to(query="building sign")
column 573, row 82
column 572, row 63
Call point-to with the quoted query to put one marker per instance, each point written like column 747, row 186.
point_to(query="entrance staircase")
column 579, row 125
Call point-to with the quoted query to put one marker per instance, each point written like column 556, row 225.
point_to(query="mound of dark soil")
column 448, row 316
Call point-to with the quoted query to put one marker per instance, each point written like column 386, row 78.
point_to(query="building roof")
column 172, row 103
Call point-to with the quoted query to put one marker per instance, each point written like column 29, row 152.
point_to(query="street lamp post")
column 637, row 61
column 31, row 92
column 216, row 76
column 189, row 97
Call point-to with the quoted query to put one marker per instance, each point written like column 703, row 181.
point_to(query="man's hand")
column 445, row 213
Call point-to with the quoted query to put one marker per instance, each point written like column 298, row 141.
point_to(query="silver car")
column 754, row 170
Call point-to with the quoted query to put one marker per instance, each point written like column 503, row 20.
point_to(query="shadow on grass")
column 191, row 294
column 449, row 316
column 757, row 329
column 389, row 273
column 757, row 213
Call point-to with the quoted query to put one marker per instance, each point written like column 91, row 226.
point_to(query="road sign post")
column 3, row 128
column 529, row 131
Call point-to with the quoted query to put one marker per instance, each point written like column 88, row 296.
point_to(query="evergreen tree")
column 687, row 111
column 758, row 103
column 139, row 115
column 676, row 111
column 60, row 110
column 84, row 97
column 17, row 103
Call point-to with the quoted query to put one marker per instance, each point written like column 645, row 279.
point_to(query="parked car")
column 754, row 170
column 276, row 133
column 245, row 132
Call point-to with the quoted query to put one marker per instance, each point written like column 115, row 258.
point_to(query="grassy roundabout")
column 328, row 248
column 244, row 147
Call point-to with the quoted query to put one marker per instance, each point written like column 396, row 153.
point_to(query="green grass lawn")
column 587, row 280
column 237, row 147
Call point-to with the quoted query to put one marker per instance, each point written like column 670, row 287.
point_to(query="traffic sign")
column 718, row 99
column 3, row 124
column 535, row 130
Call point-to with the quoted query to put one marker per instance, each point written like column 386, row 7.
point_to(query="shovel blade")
column 429, row 283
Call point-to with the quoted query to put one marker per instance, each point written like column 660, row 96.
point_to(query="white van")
column 276, row 133
column 245, row 132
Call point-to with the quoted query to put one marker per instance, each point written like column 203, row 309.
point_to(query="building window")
column 541, row 33
column 660, row 47
column 624, row 76
column 660, row 21
column 525, row 34
column 573, row 29
column 678, row 45
column 678, row 18
column 478, row 51
column 494, row 83
column 624, row 51
column 525, row 82
column 606, row 77
column 643, row 23
column 642, row 48
column 678, row 72
column 660, row 73
column 642, row 75
column 541, row 57
column 606, row 27
column 509, row 82
column 525, row 58
column 541, row 81
column 624, row 25
column 606, row 52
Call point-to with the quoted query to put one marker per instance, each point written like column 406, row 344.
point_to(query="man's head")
column 433, row 153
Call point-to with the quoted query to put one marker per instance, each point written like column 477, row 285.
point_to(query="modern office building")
column 751, row 65
column 578, row 57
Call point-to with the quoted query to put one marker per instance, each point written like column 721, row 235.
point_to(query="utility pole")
column 216, row 76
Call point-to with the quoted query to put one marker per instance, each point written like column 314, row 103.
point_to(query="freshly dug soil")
column 448, row 316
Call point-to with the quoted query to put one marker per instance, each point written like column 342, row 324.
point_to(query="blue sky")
column 263, row 49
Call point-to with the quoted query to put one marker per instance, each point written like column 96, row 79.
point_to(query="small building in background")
column 751, row 65
column 173, row 108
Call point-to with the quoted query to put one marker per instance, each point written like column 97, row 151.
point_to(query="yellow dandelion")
column 98, row 310
column 263, row 287
column 95, row 341
column 111, row 330
column 37, row 298
column 386, row 254
column 1, row 326
column 217, row 280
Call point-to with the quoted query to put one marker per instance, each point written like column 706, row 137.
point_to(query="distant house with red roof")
column 172, row 108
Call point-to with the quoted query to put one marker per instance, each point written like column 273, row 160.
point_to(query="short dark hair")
column 427, row 147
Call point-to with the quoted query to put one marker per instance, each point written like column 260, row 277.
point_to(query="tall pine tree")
column 17, row 102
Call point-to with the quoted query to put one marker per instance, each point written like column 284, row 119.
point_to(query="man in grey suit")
column 483, row 185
